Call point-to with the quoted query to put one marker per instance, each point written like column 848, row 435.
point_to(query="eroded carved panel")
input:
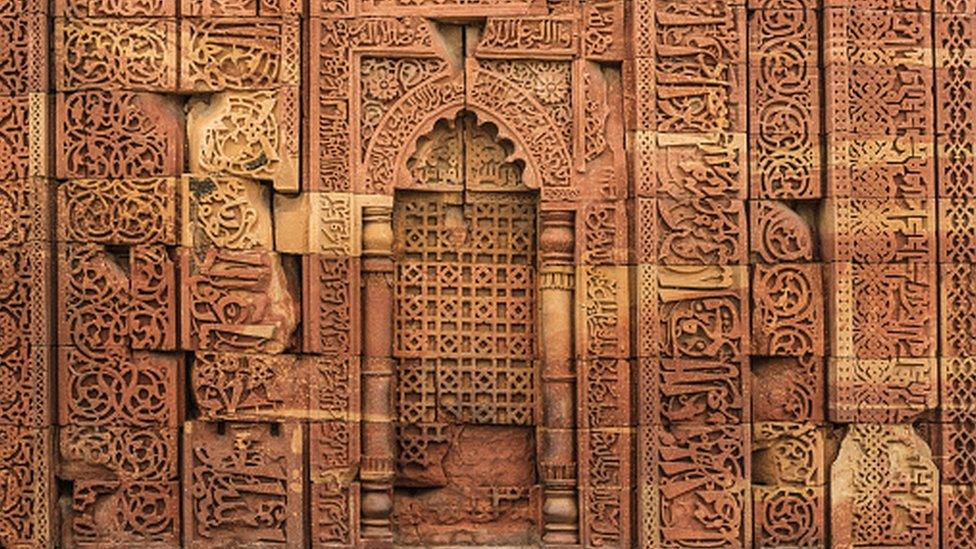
column 237, row 301
column 883, row 472
column 251, row 134
column 243, row 484
column 109, row 54
column 104, row 134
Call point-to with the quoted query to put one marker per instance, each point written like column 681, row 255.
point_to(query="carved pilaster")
column 557, row 436
column 378, row 437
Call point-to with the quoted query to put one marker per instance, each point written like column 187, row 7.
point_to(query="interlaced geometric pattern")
column 465, row 318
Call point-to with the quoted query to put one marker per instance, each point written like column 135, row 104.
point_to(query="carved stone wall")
column 560, row 273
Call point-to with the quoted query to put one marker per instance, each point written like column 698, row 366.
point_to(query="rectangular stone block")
column 691, row 467
column 27, row 371
column 700, row 231
column 788, row 388
column 514, row 37
column 954, row 38
column 24, row 61
column 603, row 37
column 876, row 37
column 675, row 391
column 331, row 305
column 335, row 388
column 957, row 230
column 334, row 451
column 602, row 314
column 600, row 147
column 96, row 323
column 782, row 233
column 250, row 134
column 873, row 166
column 115, row 54
column 227, row 212
column 26, row 206
column 136, row 304
column 123, row 8
column 101, row 514
column 118, row 212
column 786, row 166
column 679, row 26
column 243, row 484
column 642, row 218
column 24, row 130
column 255, row 387
column 335, row 514
column 957, row 165
column 672, row 165
column 693, row 312
column 640, row 96
column 718, row 107
column 791, row 454
column 880, row 98
column 140, row 389
column 601, row 240
column 956, row 397
column 605, row 516
column 603, row 393
column 893, row 390
column 952, row 94
column 957, row 443
column 788, row 516
column 118, row 453
column 26, row 302
column 238, row 301
column 326, row 161
column 788, row 310
column 239, row 53
column 100, row 134
column 882, row 311
column 30, row 494
column 879, row 230
column 245, row 8
column 958, row 506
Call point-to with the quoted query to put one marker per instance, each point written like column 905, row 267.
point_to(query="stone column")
column 378, row 437
column 557, row 437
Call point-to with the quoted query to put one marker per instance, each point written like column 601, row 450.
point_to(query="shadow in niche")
column 465, row 340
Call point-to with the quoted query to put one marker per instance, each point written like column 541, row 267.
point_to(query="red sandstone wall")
column 597, row 273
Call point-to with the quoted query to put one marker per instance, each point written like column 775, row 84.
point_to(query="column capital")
column 557, row 238
column 377, row 231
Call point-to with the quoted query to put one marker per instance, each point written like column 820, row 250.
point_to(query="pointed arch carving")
column 491, row 98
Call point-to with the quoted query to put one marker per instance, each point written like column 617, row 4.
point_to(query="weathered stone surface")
column 115, row 54
column 225, row 212
column 237, row 301
column 122, row 134
column 867, row 493
column 243, row 484
column 252, row 134
column 559, row 273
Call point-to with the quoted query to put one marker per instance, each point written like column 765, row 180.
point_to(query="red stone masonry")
column 535, row 273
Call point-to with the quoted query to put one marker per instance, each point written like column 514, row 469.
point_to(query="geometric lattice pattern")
column 465, row 315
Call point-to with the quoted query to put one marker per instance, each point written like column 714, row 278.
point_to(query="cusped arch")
column 492, row 99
